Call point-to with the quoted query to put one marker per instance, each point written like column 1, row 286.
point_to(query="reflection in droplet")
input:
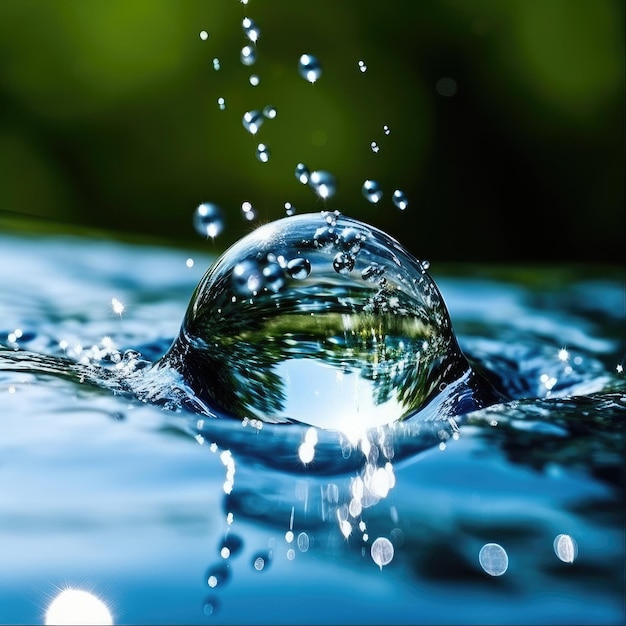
column 382, row 551
column 493, row 559
column 231, row 546
column 74, row 606
column 309, row 67
column 336, row 326
column 566, row 548
column 208, row 220
column 252, row 121
column 400, row 200
column 248, row 55
column 372, row 191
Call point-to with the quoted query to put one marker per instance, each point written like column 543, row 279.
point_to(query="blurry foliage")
column 109, row 119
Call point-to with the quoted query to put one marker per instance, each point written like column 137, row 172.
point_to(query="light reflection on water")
column 116, row 497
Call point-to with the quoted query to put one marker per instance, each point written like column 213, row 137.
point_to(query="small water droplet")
column 248, row 211
column 204, row 35
column 400, row 200
column 382, row 551
column 270, row 112
column 217, row 575
column 248, row 55
column 323, row 183
column 309, row 67
column 254, row 80
column 216, row 64
column 303, row 542
column 289, row 208
column 372, row 191
column 261, row 561
column 302, row 173
column 343, row 263
column 362, row 66
column 425, row 265
column 250, row 29
column 262, row 153
column 493, row 559
column 375, row 147
column 252, row 121
column 566, row 548
column 299, row 268
column 208, row 220
column 386, row 129
column 221, row 103
column 232, row 543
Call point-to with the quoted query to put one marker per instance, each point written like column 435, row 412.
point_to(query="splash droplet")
column 309, row 67
column 323, row 183
column 566, row 548
column 254, row 80
column 262, row 153
column 221, row 103
column 372, row 191
column 248, row 211
column 248, row 55
column 302, row 173
column 216, row 64
column 375, row 147
column 362, row 66
column 252, row 121
column 382, row 551
column 289, row 208
column 386, row 129
column 321, row 305
column 208, row 220
column 493, row 559
column 400, row 200
column 270, row 112
column 250, row 29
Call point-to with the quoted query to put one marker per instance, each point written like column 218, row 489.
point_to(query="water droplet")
column 362, row 66
column 289, row 208
column 217, row 575
column 248, row 211
column 302, row 173
column 323, row 183
column 208, row 220
column 299, row 268
column 261, row 561
column 252, row 121
column 303, row 542
column 372, row 191
column 386, row 129
column 204, row 35
column 216, row 64
column 493, row 559
column 309, row 67
column 319, row 303
column 232, row 543
column 382, row 551
column 375, row 147
column 425, row 265
column 262, row 153
column 248, row 55
column 270, row 112
column 566, row 548
column 400, row 199
column 250, row 29
column 221, row 103
column 254, row 80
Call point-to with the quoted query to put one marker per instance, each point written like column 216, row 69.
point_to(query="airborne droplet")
column 309, row 67
column 372, row 191
column 208, row 220
column 400, row 199
column 382, row 551
column 252, row 121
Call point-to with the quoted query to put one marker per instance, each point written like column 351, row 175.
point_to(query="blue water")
column 127, row 499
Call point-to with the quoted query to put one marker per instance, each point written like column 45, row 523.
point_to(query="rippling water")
column 171, row 516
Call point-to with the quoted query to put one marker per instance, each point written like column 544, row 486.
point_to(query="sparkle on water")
column 319, row 319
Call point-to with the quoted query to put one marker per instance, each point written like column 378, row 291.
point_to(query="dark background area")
column 506, row 118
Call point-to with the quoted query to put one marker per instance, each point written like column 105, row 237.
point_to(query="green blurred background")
column 506, row 117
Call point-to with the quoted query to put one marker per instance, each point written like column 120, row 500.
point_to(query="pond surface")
column 168, row 518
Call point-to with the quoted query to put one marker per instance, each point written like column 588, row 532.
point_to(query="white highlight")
column 73, row 606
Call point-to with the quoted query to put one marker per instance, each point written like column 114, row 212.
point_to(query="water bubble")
column 323, row 183
column 375, row 147
column 289, row 208
column 566, row 548
column 362, row 66
column 320, row 305
column 204, row 35
column 218, row 575
column 399, row 199
column 208, row 220
column 248, row 55
column 250, row 29
column 252, row 121
column 309, row 67
column 372, row 191
column 382, row 551
column 270, row 112
column 303, row 542
column 262, row 153
column 493, row 559
column 216, row 64
column 254, row 80
column 302, row 173
column 386, row 129
column 221, row 103
column 299, row 268
column 260, row 561
column 231, row 543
